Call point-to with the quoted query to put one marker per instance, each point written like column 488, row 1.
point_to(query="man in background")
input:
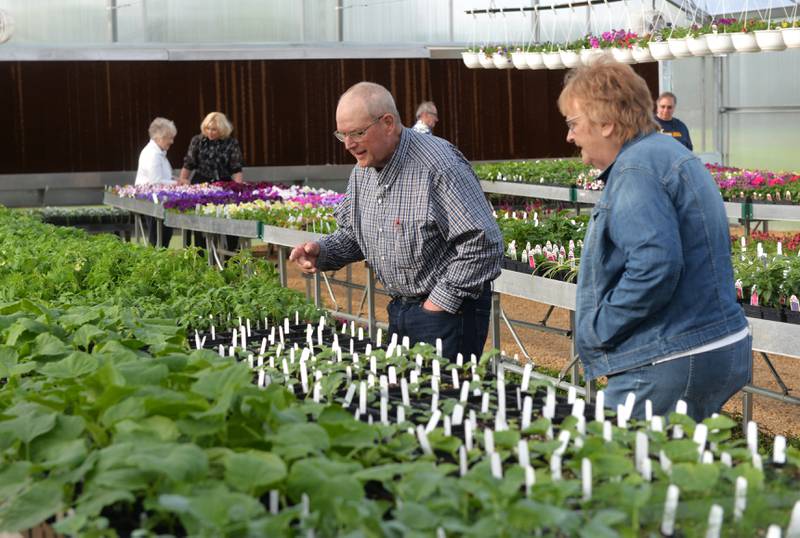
column 670, row 125
column 427, row 117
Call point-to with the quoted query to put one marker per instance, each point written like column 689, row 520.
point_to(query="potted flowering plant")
column 470, row 57
column 533, row 56
column 719, row 40
column 570, row 54
column 744, row 40
column 551, row 56
column 768, row 35
column 622, row 46
column 501, row 58
column 485, row 56
column 640, row 50
column 791, row 33
column 518, row 57
column 593, row 49
column 678, row 42
column 696, row 39
column 659, row 47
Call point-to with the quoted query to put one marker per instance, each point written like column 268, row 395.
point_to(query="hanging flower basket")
column 679, row 47
column 770, row 39
column 745, row 42
column 471, row 59
column 501, row 61
column 534, row 60
column 720, row 43
column 791, row 37
column 486, row 61
column 641, row 54
column 570, row 58
column 623, row 56
column 590, row 56
column 552, row 60
column 698, row 46
column 518, row 59
column 660, row 50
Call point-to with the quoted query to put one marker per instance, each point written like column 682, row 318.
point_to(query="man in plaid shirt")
column 415, row 211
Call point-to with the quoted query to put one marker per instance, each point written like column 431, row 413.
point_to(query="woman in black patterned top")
column 213, row 155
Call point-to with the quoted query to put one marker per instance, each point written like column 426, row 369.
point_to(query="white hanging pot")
column 518, row 59
column 641, row 54
column 471, row 59
column 570, row 58
column 623, row 56
column 552, row 60
column 745, row 42
column 590, row 56
column 6, row 26
column 486, row 61
column 534, row 60
column 698, row 46
column 791, row 37
column 501, row 61
column 660, row 50
column 679, row 47
column 770, row 39
column 720, row 43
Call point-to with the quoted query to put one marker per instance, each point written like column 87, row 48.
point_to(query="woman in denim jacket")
column 656, row 305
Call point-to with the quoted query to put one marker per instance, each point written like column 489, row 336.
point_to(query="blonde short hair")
column 610, row 93
column 162, row 128
column 220, row 121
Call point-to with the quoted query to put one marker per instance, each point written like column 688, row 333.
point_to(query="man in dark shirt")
column 665, row 108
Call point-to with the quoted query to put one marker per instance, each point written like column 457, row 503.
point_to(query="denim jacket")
column 656, row 276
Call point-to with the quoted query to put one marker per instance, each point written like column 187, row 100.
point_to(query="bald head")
column 368, row 124
column 370, row 98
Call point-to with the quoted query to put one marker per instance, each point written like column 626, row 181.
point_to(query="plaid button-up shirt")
column 422, row 223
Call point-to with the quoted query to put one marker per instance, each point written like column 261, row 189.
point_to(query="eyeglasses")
column 355, row 136
column 571, row 122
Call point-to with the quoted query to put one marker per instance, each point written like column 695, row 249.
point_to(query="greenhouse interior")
column 239, row 238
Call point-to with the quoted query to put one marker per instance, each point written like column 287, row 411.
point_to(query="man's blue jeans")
column 705, row 381
column 463, row 332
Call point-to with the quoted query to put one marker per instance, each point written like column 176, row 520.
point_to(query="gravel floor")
column 551, row 351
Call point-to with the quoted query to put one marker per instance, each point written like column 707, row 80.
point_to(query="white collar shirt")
column 153, row 166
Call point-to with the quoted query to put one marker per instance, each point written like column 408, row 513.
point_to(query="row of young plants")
column 108, row 420
column 111, row 427
column 550, row 248
column 558, row 172
column 81, row 215
column 302, row 208
column 735, row 184
column 63, row 266
column 766, row 268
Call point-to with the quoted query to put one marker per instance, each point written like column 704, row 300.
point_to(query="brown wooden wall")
column 93, row 116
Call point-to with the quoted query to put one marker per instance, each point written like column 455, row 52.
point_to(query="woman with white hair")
column 155, row 168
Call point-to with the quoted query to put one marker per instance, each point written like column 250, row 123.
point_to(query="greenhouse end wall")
column 73, row 116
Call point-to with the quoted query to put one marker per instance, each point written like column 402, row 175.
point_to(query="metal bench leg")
column 282, row 270
column 775, row 374
column 514, row 335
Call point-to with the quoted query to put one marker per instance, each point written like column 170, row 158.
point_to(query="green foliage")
column 64, row 266
column 564, row 172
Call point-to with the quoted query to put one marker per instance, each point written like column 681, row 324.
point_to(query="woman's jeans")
column 705, row 381
column 463, row 332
